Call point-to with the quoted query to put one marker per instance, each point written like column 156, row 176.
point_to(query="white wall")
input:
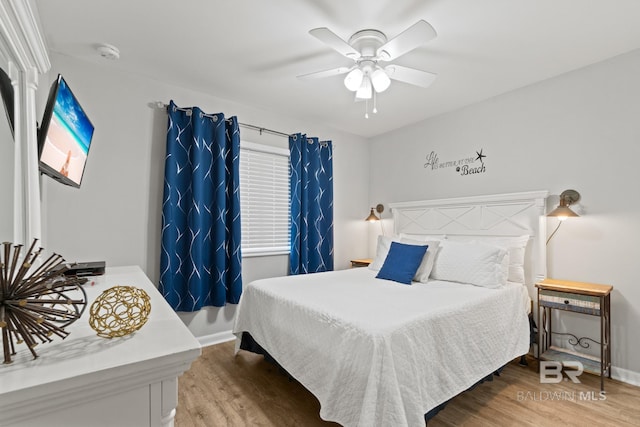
column 579, row 130
column 115, row 215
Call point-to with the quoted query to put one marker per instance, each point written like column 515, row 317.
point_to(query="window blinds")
column 264, row 199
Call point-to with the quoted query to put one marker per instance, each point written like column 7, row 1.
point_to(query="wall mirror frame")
column 25, row 55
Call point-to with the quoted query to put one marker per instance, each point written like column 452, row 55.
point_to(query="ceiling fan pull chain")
column 366, row 108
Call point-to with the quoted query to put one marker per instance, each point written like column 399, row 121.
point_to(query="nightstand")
column 578, row 297
column 363, row 262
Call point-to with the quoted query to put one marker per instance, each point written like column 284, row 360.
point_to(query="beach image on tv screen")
column 68, row 138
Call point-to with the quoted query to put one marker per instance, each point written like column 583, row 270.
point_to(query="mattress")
column 379, row 353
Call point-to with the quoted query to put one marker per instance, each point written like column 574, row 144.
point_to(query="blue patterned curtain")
column 311, row 181
column 200, row 262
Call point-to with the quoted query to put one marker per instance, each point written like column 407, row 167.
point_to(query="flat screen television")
column 64, row 137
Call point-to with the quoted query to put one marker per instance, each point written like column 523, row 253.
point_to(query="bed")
column 377, row 352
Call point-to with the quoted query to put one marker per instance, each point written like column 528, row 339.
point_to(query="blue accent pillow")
column 402, row 262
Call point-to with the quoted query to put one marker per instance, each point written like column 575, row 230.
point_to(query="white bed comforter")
column 379, row 353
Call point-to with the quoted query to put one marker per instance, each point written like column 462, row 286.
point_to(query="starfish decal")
column 480, row 156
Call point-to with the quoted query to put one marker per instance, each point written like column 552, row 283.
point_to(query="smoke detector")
column 108, row 51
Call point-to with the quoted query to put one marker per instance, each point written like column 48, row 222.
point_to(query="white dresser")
column 86, row 380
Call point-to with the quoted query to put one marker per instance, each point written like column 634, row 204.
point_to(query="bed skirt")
column 249, row 344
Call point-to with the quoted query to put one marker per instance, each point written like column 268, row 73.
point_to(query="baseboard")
column 620, row 374
column 625, row 375
column 217, row 338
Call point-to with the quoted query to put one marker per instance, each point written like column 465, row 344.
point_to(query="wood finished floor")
column 222, row 390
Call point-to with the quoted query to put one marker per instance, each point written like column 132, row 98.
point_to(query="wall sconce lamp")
column 563, row 211
column 373, row 217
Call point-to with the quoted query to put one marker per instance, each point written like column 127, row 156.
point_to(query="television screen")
column 65, row 136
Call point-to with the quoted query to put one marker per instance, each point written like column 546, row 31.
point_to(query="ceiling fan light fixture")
column 380, row 80
column 365, row 90
column 369, row 48
column 353, row 80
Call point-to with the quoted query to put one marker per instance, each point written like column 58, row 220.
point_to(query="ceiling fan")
column 368, row 49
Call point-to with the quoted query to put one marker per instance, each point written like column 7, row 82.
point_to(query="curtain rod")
column 261, row 129
column 245, row 125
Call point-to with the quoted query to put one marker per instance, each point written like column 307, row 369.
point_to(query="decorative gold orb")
column 119, row 311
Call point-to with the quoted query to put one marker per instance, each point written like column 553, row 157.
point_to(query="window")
column 264, row 199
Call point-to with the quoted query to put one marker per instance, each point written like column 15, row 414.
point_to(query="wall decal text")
column 471, row 165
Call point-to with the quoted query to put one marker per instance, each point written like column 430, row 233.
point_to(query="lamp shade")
column 353, row 80
column 380, row 80
column 567, row 198
column 372, row 216
column 562, row 212
column 365, row 90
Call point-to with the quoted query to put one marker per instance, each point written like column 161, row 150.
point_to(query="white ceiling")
column 250, row 51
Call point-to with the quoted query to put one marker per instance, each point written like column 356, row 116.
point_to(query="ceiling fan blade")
column 410, row 75
column 329, row 38
column 414, row 36
column 326, row 73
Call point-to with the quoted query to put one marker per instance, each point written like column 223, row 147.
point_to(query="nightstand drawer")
column 588, row 304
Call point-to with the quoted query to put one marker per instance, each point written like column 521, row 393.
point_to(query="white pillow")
column 382, row 249
column 424, row 270
column 515, row 247
column 423, row 237
column 470, row 262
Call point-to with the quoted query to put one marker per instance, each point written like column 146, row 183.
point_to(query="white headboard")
column 512, row 214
